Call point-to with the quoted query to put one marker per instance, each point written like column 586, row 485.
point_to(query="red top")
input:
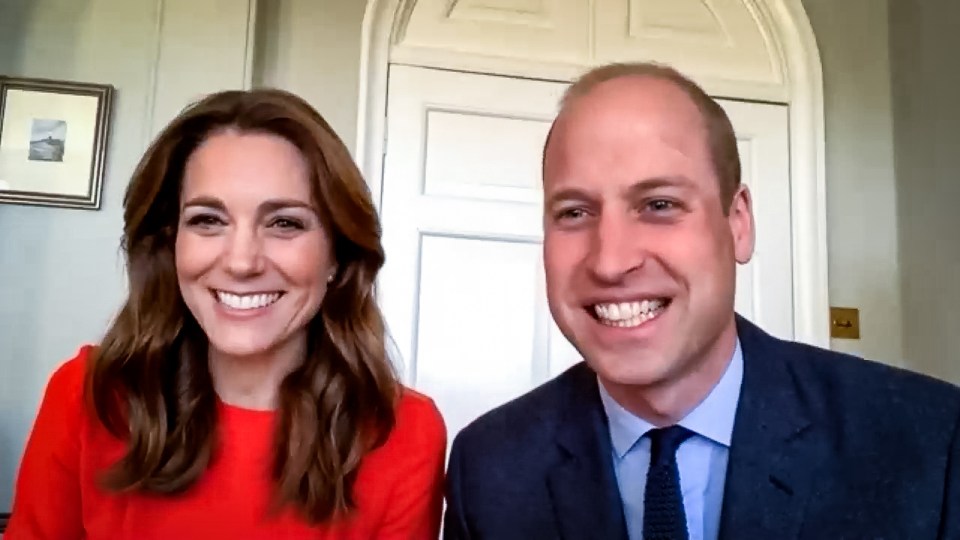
column 398, row 491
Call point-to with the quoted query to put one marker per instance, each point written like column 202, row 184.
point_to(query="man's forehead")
column 642, row 95
column 619, row 113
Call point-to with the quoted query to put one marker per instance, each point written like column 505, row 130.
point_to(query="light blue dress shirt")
column 701, row 459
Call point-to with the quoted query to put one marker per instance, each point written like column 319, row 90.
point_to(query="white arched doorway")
column 455, row 99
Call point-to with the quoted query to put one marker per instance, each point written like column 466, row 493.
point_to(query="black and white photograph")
column 47, row 139
column 53, row 142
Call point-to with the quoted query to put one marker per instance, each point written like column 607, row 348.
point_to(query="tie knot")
column 665, row 441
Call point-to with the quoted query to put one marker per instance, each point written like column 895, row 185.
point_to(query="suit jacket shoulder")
column 837, row 446
column 507, row 443
column 536, row 467
column 872, row 400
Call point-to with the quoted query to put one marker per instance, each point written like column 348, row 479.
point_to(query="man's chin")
column 638, row 372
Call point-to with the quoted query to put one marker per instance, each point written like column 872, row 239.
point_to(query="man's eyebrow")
column 638, row 187
column 567, row 194
column 656, row 182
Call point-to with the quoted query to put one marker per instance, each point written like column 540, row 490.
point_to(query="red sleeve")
column 416, row 500
column 46, row 501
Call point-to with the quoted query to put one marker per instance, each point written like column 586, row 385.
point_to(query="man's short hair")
column 721, row 139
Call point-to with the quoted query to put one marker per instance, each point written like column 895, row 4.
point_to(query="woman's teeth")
column 247, row 301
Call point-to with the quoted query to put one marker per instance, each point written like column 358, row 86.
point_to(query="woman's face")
column 253, row 261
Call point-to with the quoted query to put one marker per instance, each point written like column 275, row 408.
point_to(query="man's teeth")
column 628, row 314
column 246, row 301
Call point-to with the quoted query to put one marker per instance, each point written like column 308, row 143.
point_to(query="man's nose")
column 616, row 249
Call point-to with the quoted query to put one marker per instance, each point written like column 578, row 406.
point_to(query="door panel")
column 479, row 305
column 765, row 285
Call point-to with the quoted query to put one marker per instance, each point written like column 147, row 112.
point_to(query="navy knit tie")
column 663, row 515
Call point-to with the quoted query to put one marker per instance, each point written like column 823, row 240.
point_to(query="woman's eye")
column 286, row 223
column 204, row 221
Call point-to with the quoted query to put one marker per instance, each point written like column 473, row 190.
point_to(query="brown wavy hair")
column 149, row 381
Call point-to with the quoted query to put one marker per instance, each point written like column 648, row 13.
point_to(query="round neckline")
column 244, row 411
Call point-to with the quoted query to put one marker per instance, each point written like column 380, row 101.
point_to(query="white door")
column 462, row 289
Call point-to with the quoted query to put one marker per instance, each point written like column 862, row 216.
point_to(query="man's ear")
column 741, row 222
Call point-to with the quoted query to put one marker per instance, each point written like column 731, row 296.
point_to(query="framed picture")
column 53, row 141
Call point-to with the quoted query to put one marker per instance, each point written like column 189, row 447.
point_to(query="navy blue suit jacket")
column 825, row 446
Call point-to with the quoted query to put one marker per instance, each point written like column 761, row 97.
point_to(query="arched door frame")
column 789, row 27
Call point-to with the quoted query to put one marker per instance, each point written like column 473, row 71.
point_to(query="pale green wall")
column 861, row 188
column 61, row 274
column 925, row 42
column 312, row 47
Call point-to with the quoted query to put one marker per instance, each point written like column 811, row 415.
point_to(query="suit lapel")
column 775, row 450
column 583, row 487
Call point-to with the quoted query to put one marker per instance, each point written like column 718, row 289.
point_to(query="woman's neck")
column 253, row 382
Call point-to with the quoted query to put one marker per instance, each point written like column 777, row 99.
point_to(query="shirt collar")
column 712, row 418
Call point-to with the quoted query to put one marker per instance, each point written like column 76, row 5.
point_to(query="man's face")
column 639, row 252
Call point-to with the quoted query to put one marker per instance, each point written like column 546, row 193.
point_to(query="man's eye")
column 571, row 213
column 660, row 205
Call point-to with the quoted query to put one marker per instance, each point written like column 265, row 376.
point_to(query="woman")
column 243, row 391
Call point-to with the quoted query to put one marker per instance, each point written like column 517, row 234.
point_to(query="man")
column 685, row 420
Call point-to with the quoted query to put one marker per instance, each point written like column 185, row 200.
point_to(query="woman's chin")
column 240, row 349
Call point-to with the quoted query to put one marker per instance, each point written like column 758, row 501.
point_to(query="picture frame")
column 53, row 142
